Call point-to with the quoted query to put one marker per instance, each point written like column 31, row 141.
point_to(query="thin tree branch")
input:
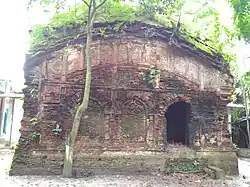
column 201, row 7
column 91, row 15
column 89, row 12
column 29, row 2
column 86, row 3
column 98, row 6
column 95, row 8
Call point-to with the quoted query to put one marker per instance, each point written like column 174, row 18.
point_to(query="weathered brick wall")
column 119, row 95
column 124, row 114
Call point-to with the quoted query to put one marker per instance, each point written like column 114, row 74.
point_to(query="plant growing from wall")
column 35, row 121
column 57, row 130
column 151, row 77
column 33, row 92
column 36, row 136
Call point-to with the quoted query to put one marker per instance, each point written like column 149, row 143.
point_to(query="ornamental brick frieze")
column 135, row 54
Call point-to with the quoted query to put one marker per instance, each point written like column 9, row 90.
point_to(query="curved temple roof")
column 77, row 35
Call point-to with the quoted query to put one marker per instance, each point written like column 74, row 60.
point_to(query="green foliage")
column 150, row 76
column 243, row 89
column 57, row 130
column 35, row 121
column 237, row 113
column 35, row 135
column 204, row 25
column 242, row 18
column 242, row 85
column 184, row 165
column 37, row 35
column 42, row 2
column 160, row 7
column 245, row 82
column 112, row 11
column 67, row 18
column 32, row 91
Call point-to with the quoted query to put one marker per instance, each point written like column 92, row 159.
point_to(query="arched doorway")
column 178, row 118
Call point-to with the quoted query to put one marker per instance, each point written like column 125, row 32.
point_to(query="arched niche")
column 101, row 75
column 92, row 122
column 134, row 120
column 178, row 116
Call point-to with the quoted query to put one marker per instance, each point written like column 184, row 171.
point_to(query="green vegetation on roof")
column 114, row 11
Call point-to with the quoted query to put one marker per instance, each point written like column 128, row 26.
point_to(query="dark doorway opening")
column 178, row 118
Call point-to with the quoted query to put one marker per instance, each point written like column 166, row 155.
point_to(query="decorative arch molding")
column 165, row 100
column 177, row 121
column 126, row 76
column 136, row 99
column 134, row 120
column 195, row 83
column 72, row 98
column 91, row 124
column 191, row 126
column 78, row 76
column 106, row 75
column 96, row 101
column 75, row 97
column 177, row 98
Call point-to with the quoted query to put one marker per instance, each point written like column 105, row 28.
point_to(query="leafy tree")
column 195, row 20
column 243, row 89
column 242, row 26
column 93, row 6
column 242, row 18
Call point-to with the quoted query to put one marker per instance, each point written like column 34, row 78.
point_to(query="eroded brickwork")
column 124, row 113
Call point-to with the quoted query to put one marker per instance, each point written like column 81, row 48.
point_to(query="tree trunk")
column 70, row 142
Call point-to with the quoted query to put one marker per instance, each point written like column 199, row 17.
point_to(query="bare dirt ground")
column 154, row 180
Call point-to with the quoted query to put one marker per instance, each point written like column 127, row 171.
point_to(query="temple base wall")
column 51, row 163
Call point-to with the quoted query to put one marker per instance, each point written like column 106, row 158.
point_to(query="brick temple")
column 184, row 104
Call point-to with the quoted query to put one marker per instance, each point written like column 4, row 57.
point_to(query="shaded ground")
column 154, row 180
